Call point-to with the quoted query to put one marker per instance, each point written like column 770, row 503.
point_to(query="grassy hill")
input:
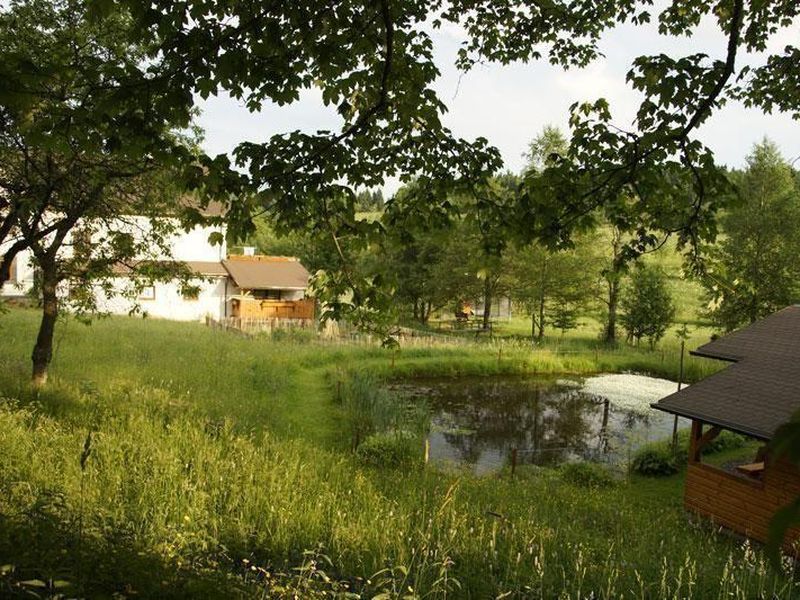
column 220, row 467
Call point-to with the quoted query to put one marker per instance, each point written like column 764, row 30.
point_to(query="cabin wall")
column 741, row 504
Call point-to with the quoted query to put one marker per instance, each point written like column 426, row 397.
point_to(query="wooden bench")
column 751, row 469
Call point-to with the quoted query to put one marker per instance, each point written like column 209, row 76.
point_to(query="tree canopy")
column 375, row 64
column 754, row 270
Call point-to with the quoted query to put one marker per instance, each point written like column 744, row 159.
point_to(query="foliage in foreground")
column 192, row 491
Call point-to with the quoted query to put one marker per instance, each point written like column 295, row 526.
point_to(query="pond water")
column 478, row 421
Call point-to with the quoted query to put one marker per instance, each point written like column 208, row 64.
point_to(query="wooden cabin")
column 268, row 287
column 753, row 396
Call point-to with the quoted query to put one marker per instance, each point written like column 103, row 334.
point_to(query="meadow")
column 170, row 460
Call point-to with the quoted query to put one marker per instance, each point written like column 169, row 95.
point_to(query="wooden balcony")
column 244, row 307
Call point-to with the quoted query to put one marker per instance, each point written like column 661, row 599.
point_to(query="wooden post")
column 513, row 461
column 697, row 433
column 427, row 450
column 680, row 385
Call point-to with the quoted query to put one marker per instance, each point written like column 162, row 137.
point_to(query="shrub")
column 726, row 440
column 586, row 474
column 392, row 449
column 656, row 460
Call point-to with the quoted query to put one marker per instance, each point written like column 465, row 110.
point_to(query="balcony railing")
column 272, row 309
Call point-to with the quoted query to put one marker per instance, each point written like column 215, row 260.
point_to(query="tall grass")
column 220, row 467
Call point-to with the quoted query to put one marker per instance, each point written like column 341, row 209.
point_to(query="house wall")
column 501, row 308
column 168, row 302
column 739, row 503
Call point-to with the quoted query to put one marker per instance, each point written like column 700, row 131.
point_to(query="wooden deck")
column 254, row 308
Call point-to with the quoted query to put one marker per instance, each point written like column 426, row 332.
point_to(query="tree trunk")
column 541, row 317
column 533, row 327
column 610, row 335
column 614, row 277
column 43, row 350
column 487, row 303
column 424, row 312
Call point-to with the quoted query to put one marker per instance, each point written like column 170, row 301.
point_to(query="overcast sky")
column 510, row 105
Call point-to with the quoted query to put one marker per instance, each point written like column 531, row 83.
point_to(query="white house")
column 226, row 286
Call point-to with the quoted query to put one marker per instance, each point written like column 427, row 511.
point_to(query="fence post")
column 513, row 462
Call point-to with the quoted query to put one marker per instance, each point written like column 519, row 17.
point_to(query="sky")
column 509, row 105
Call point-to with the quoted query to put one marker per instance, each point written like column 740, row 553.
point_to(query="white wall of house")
column 164, row 300
column 182, row 245
column 168, row 303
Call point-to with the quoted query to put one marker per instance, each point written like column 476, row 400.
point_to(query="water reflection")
column 478, row 421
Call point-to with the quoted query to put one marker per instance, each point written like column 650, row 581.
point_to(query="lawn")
column 170, row 460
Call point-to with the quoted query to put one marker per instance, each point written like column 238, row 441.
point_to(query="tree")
column 546, row 149
column 647, row 305
column 85, row 139
column 654, row 180
column 432, row 266
column 613, row 273
column 369, row 201
column 565, row 317
column 754, row 270
column 553, row 286
column 375, row 64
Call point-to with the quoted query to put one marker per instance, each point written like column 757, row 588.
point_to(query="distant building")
column 500, row 309
column 754, row 396
column 251, row 286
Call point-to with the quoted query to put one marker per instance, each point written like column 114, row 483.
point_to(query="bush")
column 586, row 474
column 392, row 449
column 656, row 460
column 726, row 440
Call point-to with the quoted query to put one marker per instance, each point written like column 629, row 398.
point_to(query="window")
column 267, row 294
column 147, row 293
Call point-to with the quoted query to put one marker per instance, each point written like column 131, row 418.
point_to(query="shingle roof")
column 202, row 267
column 267, row 273
column 760, row 391
column 199, row 267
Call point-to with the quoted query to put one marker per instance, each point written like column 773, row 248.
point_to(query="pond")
column 476, row 422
